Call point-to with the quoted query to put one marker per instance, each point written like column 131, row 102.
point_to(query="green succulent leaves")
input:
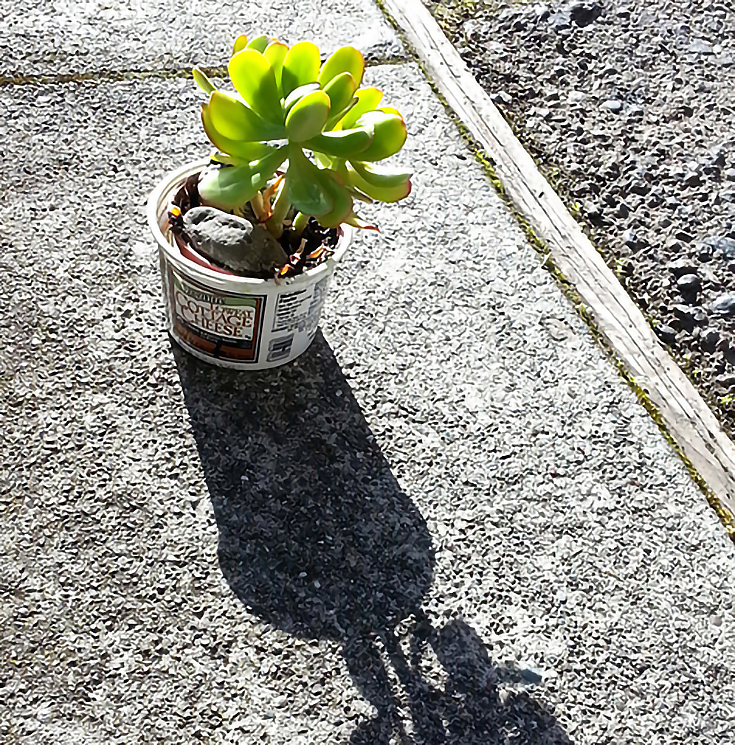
column 235, row 120
column 316, row 117
column 300, row 67
column 345, row 59
column 307, row 117
column 233, row 186
column 341, row 91
column 253, row 77
column 389, row 133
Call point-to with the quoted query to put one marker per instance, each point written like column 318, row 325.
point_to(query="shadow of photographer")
column 479, row 704
column 317, row 538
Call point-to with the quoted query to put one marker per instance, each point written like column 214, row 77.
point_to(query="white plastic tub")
column 231, row 321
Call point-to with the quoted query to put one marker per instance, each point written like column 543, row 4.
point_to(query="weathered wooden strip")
column 685, row 414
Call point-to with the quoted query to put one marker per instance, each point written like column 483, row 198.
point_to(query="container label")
column 299, row 311
column 220, row 324
column 280, row 348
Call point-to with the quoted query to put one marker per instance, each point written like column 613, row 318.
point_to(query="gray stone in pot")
column 233, row 241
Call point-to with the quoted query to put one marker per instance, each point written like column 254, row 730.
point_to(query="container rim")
column 157, row 211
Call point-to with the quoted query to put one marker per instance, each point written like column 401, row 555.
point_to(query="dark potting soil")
column 628, row 106
column 302, row 255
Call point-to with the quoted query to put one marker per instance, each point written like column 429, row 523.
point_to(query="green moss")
column 450, row 14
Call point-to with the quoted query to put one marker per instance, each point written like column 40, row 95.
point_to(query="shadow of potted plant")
column 317, row 538
column 250, row 237
column 316, row 535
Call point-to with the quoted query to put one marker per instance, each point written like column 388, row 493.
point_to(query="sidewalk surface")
column 450, row 522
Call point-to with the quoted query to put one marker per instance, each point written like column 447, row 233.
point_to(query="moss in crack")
column 109, row 76
column 451, row 14
column 116, row 76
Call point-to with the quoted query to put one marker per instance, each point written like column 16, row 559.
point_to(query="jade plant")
column 300, row 138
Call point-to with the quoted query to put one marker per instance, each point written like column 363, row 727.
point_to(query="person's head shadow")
column 479, row 703
column 315, row 535
column 317, row 538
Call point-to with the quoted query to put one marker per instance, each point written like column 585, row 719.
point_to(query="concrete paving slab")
column 112, row 35
column 451, row 521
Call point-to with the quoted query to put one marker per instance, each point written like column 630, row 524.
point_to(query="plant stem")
column 300, row 222
column 280, row 209
column 258, row 207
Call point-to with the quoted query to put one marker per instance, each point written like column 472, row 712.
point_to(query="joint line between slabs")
column 116, row 76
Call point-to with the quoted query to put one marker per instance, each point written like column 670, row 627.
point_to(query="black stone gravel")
column 629, row 108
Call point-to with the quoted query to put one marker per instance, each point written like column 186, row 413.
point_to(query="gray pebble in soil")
column 688, row 315
column 709, row 339
column 233, row 241
column 724, row 361
column 704, row 253
column 666, row 333
column 579, row 13
column 700, row 47
column 631, row 239
column 724, row 306
column 585, row 13
column 532, row 675
column 613, row 105
column 689, row 284
column 560, row 20
column 640, row 187
column 717, row 156
column 502, row 98
column 681, row 267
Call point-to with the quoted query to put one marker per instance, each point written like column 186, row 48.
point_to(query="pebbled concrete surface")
column 450, row 522
column 111, row 35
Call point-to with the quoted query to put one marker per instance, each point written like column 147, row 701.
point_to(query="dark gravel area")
column 629, row 108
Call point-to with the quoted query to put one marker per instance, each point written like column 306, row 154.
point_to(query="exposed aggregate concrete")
column 80, row 36
column 449, row 522
column 629, row 106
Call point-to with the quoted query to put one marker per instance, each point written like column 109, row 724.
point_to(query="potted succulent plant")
column 249, row 237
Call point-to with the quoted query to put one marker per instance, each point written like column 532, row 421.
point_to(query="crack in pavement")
column 114, row 76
